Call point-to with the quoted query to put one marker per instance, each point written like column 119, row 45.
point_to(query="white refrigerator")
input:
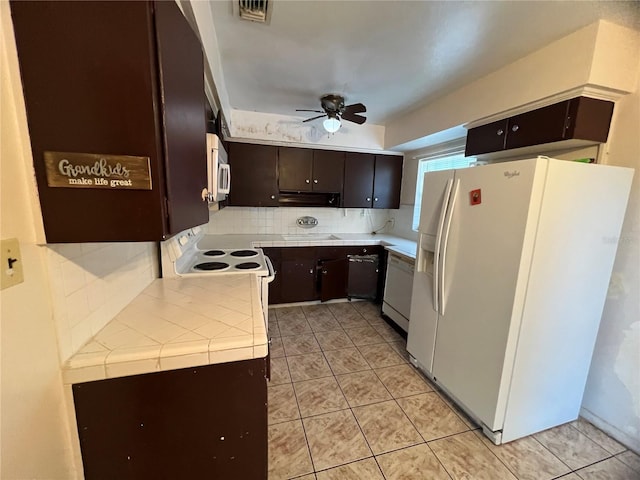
column 512, row 270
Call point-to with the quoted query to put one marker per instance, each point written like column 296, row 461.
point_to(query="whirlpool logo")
column 511, row 174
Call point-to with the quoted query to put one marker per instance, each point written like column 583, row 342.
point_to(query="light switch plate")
column 10, row 263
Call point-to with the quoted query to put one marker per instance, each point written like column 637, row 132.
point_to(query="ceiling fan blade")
column 316, row 111
column 313, row 118
column 352, row 117
column 355, row 108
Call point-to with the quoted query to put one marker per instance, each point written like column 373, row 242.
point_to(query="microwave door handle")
column 225, row 178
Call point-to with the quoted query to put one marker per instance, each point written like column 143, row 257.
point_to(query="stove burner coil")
column 248, row 265
column 244, row 253
column 211, row 266
column 214, row 253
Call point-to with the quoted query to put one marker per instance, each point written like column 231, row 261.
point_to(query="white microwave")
column 218, row 170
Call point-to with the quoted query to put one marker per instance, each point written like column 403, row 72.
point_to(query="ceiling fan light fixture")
column 331, row 124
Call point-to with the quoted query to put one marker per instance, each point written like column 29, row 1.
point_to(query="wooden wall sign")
column 89, row 170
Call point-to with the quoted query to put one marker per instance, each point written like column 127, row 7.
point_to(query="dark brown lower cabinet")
column 201, row 422
column 320, row 273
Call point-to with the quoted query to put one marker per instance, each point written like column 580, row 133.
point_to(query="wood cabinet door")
column 182, row 81
column 333, row 278
column 486, row 138
column 298, row 274
column 89, row 90
column 254, row 171
column 387, row 181
column 543, row 125
column 295, row 169
column 328, row 171
column 358, row 180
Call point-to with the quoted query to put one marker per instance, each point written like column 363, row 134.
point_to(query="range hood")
column 309, row 199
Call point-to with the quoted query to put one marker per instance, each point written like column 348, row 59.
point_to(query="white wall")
column 69, row 292
column 612, row 396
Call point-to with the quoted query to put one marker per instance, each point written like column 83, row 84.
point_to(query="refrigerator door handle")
column 443, row 255
column 436, row 254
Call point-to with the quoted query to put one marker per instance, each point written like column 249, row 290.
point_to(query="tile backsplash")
column 282, row 220
column 91, row 283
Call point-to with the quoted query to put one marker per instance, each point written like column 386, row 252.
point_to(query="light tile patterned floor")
column 345, row 404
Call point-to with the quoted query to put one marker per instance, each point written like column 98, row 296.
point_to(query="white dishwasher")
column 397, row 289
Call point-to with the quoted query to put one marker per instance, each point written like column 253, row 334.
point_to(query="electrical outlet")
column 10, row 263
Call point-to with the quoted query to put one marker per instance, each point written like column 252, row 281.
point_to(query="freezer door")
column 488, row 224
column 423, row 317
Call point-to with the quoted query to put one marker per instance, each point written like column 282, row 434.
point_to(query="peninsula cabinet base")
column 201, row 422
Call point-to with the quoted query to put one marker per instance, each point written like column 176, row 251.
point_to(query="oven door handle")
column 272, row 273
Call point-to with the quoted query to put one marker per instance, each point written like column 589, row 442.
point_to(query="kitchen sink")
column 306, row 237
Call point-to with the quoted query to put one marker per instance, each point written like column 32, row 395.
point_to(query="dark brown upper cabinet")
column 305, row 170
column 372, row 181
column 254, row 172
column 115, row 79
column 580, row 118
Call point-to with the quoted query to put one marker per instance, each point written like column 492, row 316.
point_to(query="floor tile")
column 413, row 463
column 610, row 469
column 276, row 350
column 306, row 367
column 347, row 360
column 335, row 439
column 288, row 451
column 289, row 313
column 282, row 404
column 630, row 459
column 572, row 447
column 311, row 476
column 571, row 476
column 379, row 356
column 464, row 456
column 387, row 332
column 279, row 372
column 317, row 312
column 273, row 314
column 364, row 336
column 274, row 331
column 333, row 340
column 402, row 380
column 457, row 410
column 347, row 316
column 527, row 458
column 322, row 395
column 431, row 416
column 360, row 470
column 598, row 436
column 362, row 388
column 293, row 326
column 324, row 324
column 300, row 344
column 367, row 309
column 400, row 348
column 386, row 427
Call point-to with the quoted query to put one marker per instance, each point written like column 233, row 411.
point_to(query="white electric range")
column 181, row 256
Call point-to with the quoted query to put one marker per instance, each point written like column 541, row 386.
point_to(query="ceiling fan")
column 335, row 110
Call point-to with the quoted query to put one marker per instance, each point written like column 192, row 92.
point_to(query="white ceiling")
column 390, row 55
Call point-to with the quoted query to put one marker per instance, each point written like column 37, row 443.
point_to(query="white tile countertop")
column 176, row 323
column 401, row 245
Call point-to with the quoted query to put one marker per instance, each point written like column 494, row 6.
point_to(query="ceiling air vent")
column 254, row 10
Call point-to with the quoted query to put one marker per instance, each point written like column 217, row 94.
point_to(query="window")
column 434, row 163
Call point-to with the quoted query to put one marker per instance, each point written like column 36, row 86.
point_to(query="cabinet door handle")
column 364, row 250
column 500, row 131
column 315, row 180
column 515, row 128
column 273, row 197
column 306, row 181
column 324, row 272
column 368, row 199
column 311, row 271
column 375, row 199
